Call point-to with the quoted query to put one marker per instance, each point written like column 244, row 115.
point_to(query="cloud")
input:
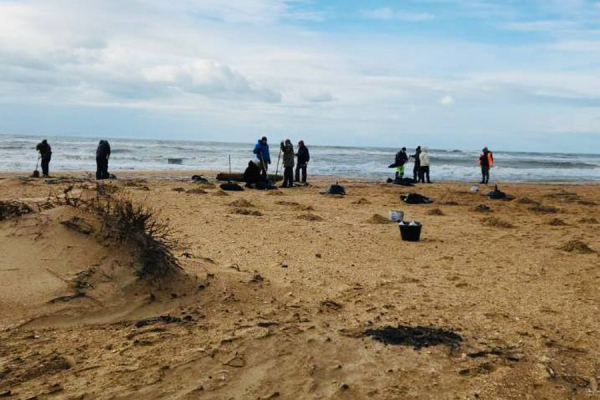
column 318, row 97
column 389, row 14
column 447, row 101
column 208, row 78
column 581, row 46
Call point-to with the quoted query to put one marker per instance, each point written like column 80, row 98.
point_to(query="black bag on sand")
column 231, row 187
column 199, row 179
column 416, row 198
column 335, row 190
column 497, row 194
column 265, row 185
column 404, row 182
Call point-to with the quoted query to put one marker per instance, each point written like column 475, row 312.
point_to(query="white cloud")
column 319, row 96
column 447, row 100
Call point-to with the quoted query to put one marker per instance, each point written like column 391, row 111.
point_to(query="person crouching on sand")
column 262, row 153
column 303, row 159
column 424, row 165
column 287, row 149
column 486, row 160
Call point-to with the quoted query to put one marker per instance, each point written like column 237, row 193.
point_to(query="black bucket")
column 410, row 233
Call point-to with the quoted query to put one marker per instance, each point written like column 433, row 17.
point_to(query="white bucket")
column 396, row 215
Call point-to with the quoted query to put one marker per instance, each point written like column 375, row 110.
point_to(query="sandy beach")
column 277, row 290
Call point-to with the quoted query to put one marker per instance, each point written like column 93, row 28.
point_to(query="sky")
column 454, row 74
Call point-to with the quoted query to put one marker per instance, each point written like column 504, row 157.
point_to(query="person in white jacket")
column 424, row 167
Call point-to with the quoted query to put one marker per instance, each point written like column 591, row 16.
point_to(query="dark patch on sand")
column 417, row 337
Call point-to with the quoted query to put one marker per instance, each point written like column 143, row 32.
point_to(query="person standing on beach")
column 303, row 159
column 486, row 160
column 287, row 149
column 424, row 165
column 401, row 159
column 45, row 154
column 262, row 153
column 102, row 156
column 417, row 165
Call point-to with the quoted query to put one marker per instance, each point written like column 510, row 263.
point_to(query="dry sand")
column 280, row 286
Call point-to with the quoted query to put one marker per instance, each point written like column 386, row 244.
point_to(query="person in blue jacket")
column 262, row 153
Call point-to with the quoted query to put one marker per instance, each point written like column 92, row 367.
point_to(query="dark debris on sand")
column 577, row 246
column 11, row 209
column 167, row 319
column 417, row 337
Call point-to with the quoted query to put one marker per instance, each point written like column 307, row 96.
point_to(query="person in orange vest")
column 486, row 160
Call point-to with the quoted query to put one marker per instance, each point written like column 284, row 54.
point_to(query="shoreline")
column 173, row 175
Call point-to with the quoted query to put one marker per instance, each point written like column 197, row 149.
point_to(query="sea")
column 17, row 154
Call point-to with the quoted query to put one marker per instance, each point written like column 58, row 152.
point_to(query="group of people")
column 258, row 169
column 102, row 156
column 420, row 167
column 422, row 163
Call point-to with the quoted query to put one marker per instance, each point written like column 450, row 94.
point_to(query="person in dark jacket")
column 102, row 156
column 401, row 159
column 252, row 173
column 45, row 154
column 417, row 166
column 486, row 160
column 287, row 149
column 262, row 153
column 303, row 159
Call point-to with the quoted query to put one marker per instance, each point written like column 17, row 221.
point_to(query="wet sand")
column 281, row 286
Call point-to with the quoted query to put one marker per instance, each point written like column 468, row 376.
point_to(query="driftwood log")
column 235, row 177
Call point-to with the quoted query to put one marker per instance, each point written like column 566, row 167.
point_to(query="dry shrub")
column 221, row 193
column 310, row 217
column 139, row 226
column 435, row 211
column 178, row 189
column 557, row 222
column 378, row 219
column 587, row 203
column 497, row 223
column 245, row 211
column 12, row 209
column 591, row 221
column 135, row 225
column 275, row 193
column 542, row 209
column 577, row 246
column 197, row 191
column 241, row 203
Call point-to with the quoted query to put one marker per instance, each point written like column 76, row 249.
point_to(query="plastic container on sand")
column 410, row 231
